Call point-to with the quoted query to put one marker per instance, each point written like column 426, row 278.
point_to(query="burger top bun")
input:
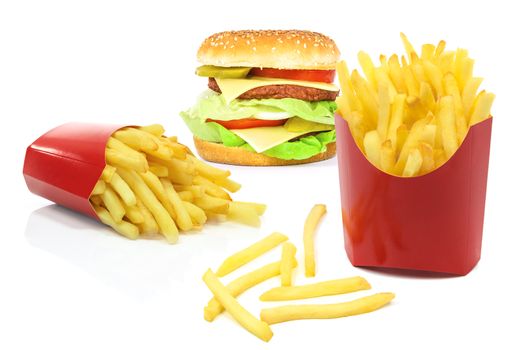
column 282, row 49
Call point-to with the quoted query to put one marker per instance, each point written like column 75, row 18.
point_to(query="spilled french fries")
column 224, row 296
column 154, row 184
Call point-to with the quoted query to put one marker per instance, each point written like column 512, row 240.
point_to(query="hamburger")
column 270, row 98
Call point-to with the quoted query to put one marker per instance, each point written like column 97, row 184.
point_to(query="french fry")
column 113, row 204
column 207, row 170
column 387, row 158
column 310, row 226
column 372, row 145
column 211, row 188
column 240, row 314
column 366, row 95
column 401, row 136
column 159, row 170
column 411, row 53
column 212, row 204
column 367, row 66
column 96, row 200
column 314, row 290
column 123, row 190
column 198, row 216
column 182, row 217
column 427, row 51
column 429, row 134
column 196, row 191
column 121, row 160
column 396, row 74
column 288, row 262
column 435, row 77
column 149, row 225
column 482, row 107
column 250, row 253
column 412, row 139
column 154, row 129
column 162, row 217
column 154, row 184
column 469, row 94
column 243, row 283
column 427, row 155
column 136, row 139
column 448, row 125
column 351, row 103
column 397, row 118
column 186, row 196
column 134, row 214
column 244, row 214
column 452, row 89
column 321, row 311
column 259, row 208
column 108, row 173
column 413, row 163
column 99, row 188
column 125, row 228
column 227, row 184
column 383, row 113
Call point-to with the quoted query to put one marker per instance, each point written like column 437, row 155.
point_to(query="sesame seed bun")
column 282, row 49
column 218, row 153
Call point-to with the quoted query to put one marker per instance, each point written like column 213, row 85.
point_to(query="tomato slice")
column 247, row 123
column 323, row 76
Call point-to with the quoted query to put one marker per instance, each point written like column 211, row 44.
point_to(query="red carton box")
column 64, row 164
column 433, row 222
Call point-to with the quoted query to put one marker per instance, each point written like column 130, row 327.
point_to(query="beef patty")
column 282, row 91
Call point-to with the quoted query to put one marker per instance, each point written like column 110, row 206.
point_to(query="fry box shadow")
column 139, row 269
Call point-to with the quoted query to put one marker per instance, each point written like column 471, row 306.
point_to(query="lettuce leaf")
column 303, row 148
column 212, row 105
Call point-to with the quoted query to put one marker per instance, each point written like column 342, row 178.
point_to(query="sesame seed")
column 304, row 45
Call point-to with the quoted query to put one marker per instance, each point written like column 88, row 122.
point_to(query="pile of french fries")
column 153, row 184
column 410, row 117
column 224, row 296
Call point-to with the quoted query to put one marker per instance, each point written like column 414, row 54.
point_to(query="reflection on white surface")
column 139, row 269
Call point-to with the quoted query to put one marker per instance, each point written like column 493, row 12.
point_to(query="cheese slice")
column 233, row 88
column 264, row 138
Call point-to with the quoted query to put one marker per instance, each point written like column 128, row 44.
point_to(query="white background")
column 67, row 282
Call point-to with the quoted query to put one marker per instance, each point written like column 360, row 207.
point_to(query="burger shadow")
column 140, row 270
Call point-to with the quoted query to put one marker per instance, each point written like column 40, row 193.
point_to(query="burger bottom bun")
column 218, row 153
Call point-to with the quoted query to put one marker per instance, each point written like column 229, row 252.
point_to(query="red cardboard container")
column 433, row 222
column 64, row 164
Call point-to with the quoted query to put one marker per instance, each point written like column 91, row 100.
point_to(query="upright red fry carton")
column 432, row 222
column 64, row 164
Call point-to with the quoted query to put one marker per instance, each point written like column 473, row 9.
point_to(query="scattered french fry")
column 333, row 287
column 243, row 283
column 320, row 311
column 288, row 263
column 310, row 226
column 248, row 321
column 248, row 254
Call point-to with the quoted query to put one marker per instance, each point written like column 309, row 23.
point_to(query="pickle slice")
column 222, row 72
